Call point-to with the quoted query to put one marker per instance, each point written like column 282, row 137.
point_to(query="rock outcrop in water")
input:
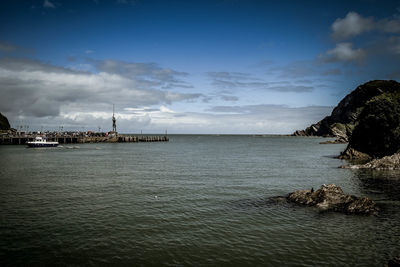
column 331, row 198
column 4, row 124
column 386, row 163
column 352, row 154
column 345, row 116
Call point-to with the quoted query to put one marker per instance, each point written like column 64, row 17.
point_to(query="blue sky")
column 190, row 66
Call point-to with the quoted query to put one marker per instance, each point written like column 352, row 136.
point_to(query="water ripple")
column 197, row 200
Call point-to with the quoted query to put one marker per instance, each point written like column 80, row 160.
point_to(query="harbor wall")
column 21, row 140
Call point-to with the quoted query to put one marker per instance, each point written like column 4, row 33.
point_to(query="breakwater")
column 16, row 139
column 129, row 138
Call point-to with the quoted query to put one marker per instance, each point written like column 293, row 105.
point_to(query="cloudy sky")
column 218, row 67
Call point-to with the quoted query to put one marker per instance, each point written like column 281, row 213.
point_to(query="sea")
column 197, row 200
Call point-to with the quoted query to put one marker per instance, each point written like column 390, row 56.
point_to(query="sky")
column 189, row 67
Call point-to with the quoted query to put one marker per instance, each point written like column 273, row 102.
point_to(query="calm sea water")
column 196, row 200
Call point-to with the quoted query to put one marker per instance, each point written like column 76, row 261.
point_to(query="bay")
column 197, row 200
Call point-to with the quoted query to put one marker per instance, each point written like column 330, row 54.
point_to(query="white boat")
column 41, row 142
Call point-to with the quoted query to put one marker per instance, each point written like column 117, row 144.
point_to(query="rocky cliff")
column 377, row 132
column 4, row 124
column 345, row 116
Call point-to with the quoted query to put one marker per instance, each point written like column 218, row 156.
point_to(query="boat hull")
column 42, row 144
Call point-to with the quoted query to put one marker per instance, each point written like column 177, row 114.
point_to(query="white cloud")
column 166, row 110
column 237, row 80
column 48, row 4
column 353, row 24
column 39, row 94
column 146, row 74
column 31, row 88
column 272, row 119
column 343, row 52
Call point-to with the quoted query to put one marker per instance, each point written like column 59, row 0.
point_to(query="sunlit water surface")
column 196, row 200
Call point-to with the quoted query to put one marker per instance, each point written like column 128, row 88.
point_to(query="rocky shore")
column 352, row 154
column 386, row 163
column 331, row 198
column 368, row 119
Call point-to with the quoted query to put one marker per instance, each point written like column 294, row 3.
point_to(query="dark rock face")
column 344, row 117
column 4, row 124
column 395, row 262
column 331, row 198
column 377, row 132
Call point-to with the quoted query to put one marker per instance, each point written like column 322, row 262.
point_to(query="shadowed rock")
column 395, row 262
column 331, row 198
column 4, row 124
column 352, row 154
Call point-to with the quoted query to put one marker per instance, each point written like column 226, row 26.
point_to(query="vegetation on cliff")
column 4, row 124
column 368, row 118
column 377, row 132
